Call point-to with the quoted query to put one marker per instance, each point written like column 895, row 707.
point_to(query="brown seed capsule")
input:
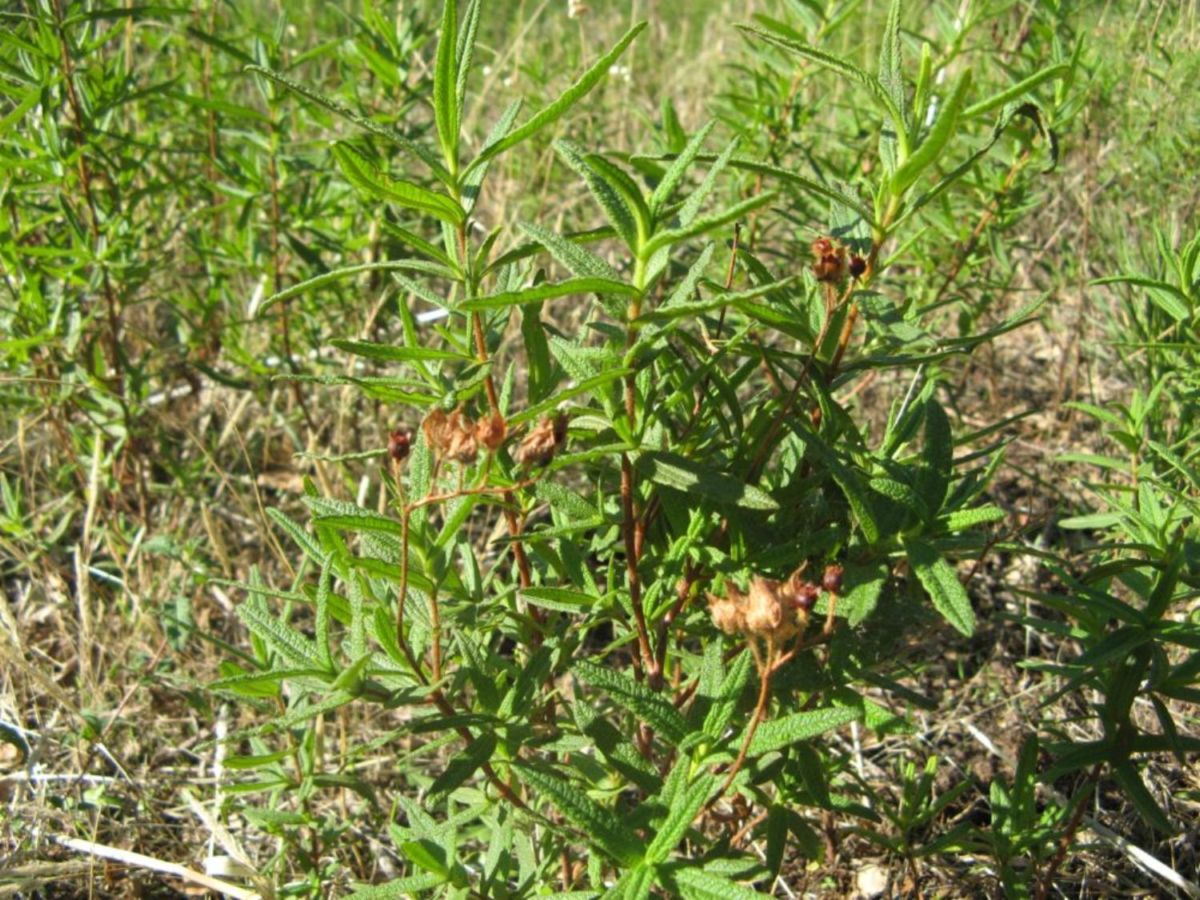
column 437, row 434
column 399, row 443
column 858, row 266
column 491, row 431
column 832, row 579
column 461, row 446
column 764, row 611
column 727, row 613
column 539, row 446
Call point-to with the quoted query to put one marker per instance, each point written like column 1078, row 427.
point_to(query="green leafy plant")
column 686, row 440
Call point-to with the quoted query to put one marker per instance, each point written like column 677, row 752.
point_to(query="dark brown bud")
column 832, row 579
column 805, row 596
column 858, row 266
column 561, row 421
column 399, row 443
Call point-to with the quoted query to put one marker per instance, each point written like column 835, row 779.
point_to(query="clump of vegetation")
column 630, row 525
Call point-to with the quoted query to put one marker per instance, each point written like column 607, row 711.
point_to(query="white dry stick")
column 235, row 864
column 138, row 860
column 856, row 741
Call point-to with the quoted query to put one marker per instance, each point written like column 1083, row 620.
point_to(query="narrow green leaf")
column 725, row 703
column 466, row 51
column 576, row 259
column 696, row 884
column 445, row 84
column 930, row 149
column 890, row 75
column 409, row 265
column 1130, row 780
column 291, row 645
column 548, row 291
column 371, row 181
column 1165, row 296
column 350, row 115
column 686, row 805
column 601, row 826
column 1022, row 87
column 409, row 886
column 644, row 703
column 558, row 598
column 829, row 192
column 707, row 223
column 672, row 177
column 569, row 98
column 392, row 353
column 462, row 766
column 675, row 471
column 843, row 67
column 776, row 734
column 619, row 211
column 962, row 519
column 364, row 521
column 691, row 206
column 941, row 582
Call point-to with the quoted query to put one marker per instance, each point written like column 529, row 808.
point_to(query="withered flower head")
column 858, row 266
column 436, row 429
column 399, row 443
column 461, row 445
column 491, row 431
column 727, row 612
column 764, row 610
column 539, row 446
column 830, row 259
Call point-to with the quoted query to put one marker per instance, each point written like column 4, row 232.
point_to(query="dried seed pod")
column 830, row 259
column 764, row 610
column 491, row 431
column 727, row 613
column 461, row 446
column 437, row 434
column 399, row 444
column 539, row 446
column 858, row 266
column 832, row 579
